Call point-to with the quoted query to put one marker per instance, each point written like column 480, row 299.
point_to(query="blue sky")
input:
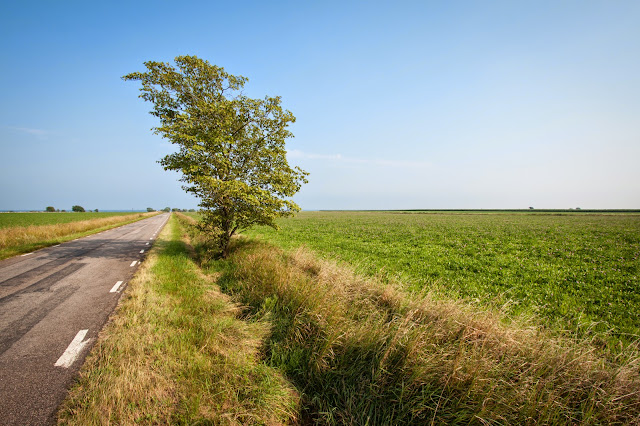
column 403, row 104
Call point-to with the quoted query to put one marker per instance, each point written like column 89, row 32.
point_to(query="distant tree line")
column 81, row 209
column 76, row 208
column 169, row 209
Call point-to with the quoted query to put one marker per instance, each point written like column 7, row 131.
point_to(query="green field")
column 575, row 272
column 9, row 220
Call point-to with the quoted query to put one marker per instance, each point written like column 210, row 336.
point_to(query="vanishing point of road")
column 53, row 303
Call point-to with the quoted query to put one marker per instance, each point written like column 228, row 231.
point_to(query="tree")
column 77, row 209
column 150, row 209
column 50, row 209
column 166, row 209
column 231, row 148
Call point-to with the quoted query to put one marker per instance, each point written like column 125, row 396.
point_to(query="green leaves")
column 231, row 148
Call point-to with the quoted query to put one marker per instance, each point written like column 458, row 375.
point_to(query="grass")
column 9, row 220
column 364, row 352
column 16, row 239
column 576, row 273
column 176, row 353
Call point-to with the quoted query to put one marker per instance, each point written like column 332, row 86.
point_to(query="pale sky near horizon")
column 399, row 104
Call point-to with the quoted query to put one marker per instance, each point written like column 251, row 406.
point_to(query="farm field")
column 8, row 220
column 573, row 272
column 25, row 232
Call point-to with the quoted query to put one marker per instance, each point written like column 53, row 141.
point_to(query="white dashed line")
column 133, row 263
column 141, row 251
column 73, row 350
column 27, row 254
column 116, row 287
column 57, row 245
column 146, row 244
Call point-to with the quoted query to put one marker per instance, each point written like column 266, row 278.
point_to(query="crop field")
column 576, row 273
column 9, row 220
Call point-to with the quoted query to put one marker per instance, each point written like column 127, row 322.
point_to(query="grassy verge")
column 176, row 353
column 361, row 352
column 23, row 239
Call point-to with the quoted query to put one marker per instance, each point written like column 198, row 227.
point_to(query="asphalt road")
column 53, row 303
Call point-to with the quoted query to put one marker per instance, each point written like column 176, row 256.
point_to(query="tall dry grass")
column 186, row 220
column 364, row 353
column 24, row 238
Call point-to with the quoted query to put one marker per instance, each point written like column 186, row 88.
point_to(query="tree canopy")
column 231, row 148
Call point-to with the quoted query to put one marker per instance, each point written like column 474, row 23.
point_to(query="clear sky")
column 400, row 104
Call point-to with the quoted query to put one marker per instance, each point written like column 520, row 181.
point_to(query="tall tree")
column 231, row 148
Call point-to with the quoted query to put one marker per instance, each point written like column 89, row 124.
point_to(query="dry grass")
column 364, row 353
column 186, row 219
column 21, row 239
column 175, row 353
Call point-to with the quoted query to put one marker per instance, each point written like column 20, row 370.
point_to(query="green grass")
column 8, row 220
column 575, row 272
column 193, row 215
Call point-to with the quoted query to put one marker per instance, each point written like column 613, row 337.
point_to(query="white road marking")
column 141, row 251
column 116, row 287
column 146, row 244
column 133, row 263
column 57, row 245
column 151, row 238
column 73, row 350
column 27, row 254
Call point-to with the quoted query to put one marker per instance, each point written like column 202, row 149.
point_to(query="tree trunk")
column 223, row 245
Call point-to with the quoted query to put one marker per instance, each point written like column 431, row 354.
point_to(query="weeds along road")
column 53, row 303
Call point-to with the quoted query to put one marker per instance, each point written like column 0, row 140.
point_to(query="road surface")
column 53, row 303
